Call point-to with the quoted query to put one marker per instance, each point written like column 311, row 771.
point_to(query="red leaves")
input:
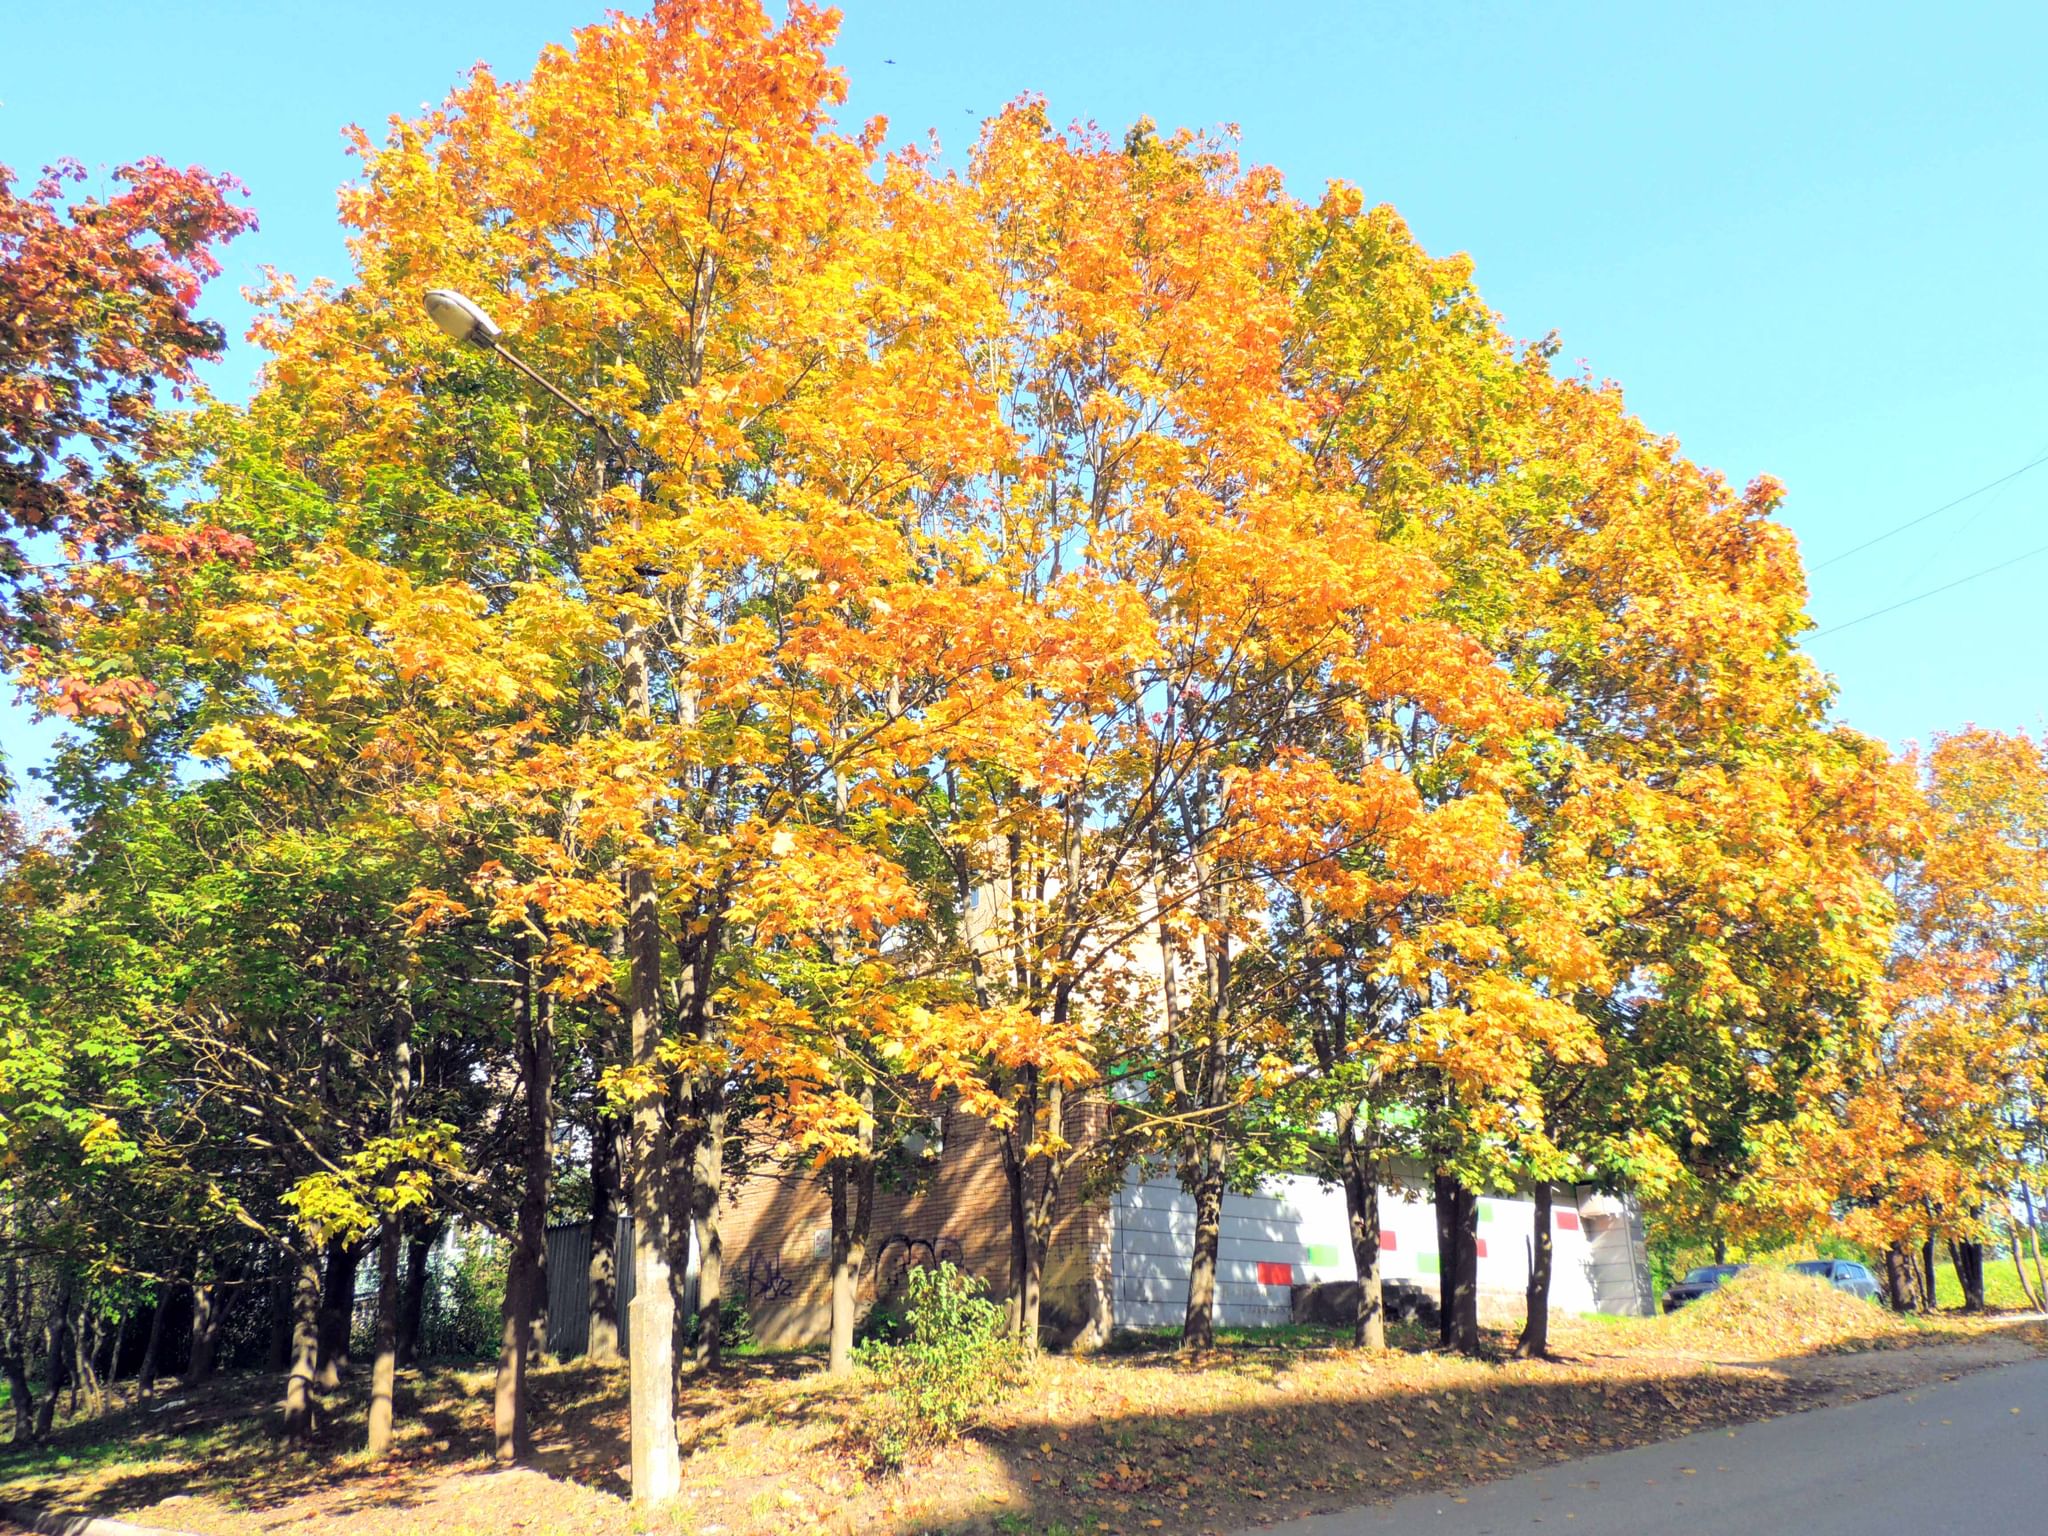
column 76, row 698
column 196, row 544
column 97, row 298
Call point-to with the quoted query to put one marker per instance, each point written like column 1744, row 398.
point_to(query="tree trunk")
column 1445, row 1193
column 412, row 1304
column 21, row 1395
column 656, row 1463
column 678, row 1193
column 1967, row 1258
column 1466, row 1296
column 1016, row 1192
column 152, row 1348
column 511, row 1432
column 56, row 1352
column 524, row 1301
column 1198, row 1324
column 153, row 1345
column 384, row 1370
column 279, row 1354
column 603, row 1339
column 337, row 1311
column 1927, row 1273
column 1901, row 1276
column 2034, row 1243
column 110, row 1377
column 707, row 1189
column 14, row 1338
column 1038, row 1226
column 300, row 1410
column 210, row 1300
column 2020, row 1268
column 844, row 1278
column 537, row 1341
column 1362, row 1208
column 853, row 1214
column 657, row 1471
column 1535, row 1340
column 85, row 1343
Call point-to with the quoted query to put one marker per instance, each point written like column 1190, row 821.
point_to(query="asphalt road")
column 1963, row 1455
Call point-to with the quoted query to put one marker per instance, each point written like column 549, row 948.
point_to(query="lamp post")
column 656, row 1463
column 461, row 318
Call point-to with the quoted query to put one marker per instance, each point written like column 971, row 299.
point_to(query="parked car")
column 1697, row 1283
column 1842, row 1274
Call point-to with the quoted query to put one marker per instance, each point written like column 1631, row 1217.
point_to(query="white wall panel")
column 1300, row 1222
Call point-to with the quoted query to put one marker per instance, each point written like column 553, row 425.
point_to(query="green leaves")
column 391, row 1175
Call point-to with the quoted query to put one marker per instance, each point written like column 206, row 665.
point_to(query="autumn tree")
column 1935, row 1124
column 732, row 516
column 101, row 295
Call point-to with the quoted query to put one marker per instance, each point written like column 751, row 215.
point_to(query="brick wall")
column 777, row 1225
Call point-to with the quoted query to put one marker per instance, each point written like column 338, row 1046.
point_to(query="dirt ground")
column 1140, row 1439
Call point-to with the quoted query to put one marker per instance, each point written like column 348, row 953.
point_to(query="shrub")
column 462, row 1315
column 883, row 1323
column 954, row 1361
column 735, row 1327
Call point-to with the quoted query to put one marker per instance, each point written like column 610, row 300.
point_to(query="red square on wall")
column 1387, row 1243
column 1276, row 1274
column 1479, row 1246
column 1567, row 1221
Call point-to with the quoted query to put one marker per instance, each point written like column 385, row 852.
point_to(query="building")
column 1126, row 1251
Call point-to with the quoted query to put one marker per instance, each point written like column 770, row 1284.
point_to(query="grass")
column 1272, row 1423
column 2001, row 1285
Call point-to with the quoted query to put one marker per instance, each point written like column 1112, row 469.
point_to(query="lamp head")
column 461, row 318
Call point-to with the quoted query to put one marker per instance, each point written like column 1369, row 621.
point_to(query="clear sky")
column 1810, row 239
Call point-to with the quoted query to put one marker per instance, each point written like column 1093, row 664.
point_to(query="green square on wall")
column 1486, row 1211
column 1322, row 1255
column 1426, row 1262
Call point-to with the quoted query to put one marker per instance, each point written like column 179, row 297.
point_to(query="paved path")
column 1963, row 1455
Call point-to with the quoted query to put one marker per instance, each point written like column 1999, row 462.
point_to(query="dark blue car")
column 1697, row 1283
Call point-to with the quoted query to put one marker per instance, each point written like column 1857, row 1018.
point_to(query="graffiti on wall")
column 900, row 1252
column 765, row 1279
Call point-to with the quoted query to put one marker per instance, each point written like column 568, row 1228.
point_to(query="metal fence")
column 569, row 1286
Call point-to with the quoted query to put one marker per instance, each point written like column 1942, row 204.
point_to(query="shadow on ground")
column 1142, row 1439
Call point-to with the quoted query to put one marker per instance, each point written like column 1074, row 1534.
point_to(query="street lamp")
column 655, row 1465
column 460, row 318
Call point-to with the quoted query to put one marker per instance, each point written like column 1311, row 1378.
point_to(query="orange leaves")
column 800, row 881
column 425, row 910
column 1307, row 822
column 1931, row 1104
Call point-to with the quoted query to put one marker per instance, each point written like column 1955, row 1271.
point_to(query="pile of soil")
column 1767, row 1311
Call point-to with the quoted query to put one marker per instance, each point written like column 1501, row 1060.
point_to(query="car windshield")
column 1812, row 1266
column 1709, row 1273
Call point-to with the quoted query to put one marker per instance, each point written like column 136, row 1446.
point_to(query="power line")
column 1907, row 602
column 1915, row 522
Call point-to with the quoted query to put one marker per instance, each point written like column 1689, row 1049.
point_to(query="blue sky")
column 1809, row 239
